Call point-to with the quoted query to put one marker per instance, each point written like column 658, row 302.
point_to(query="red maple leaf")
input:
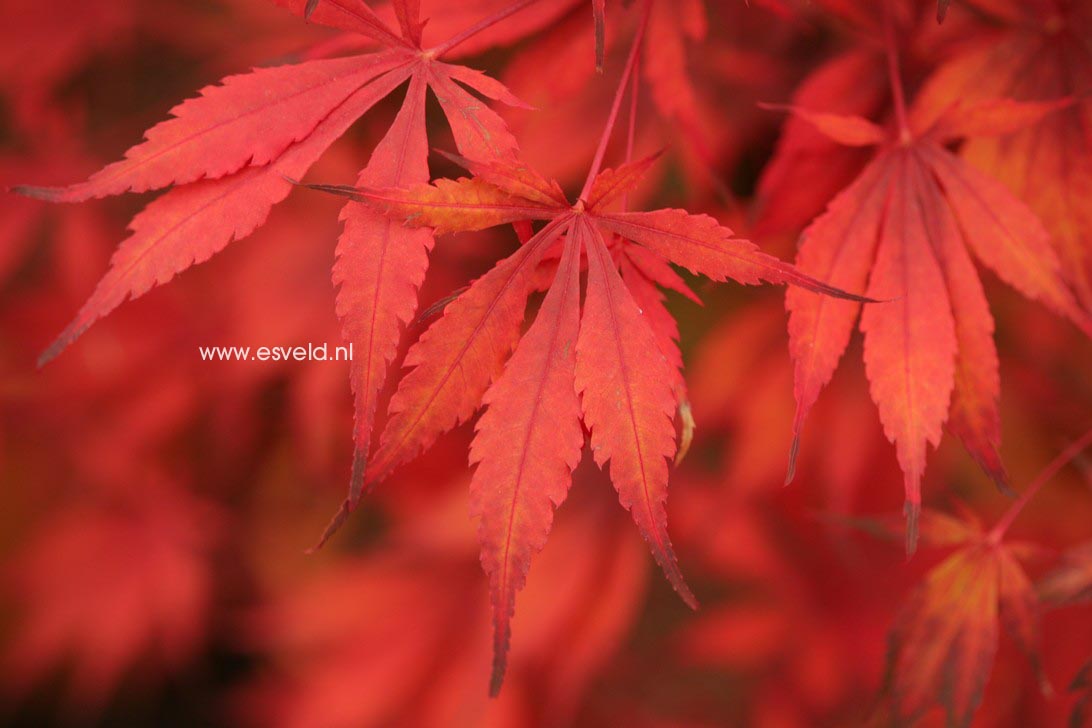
column 944, row 642
column 230, row 155
column 945, row 639
column 904, row 227
column 604, row 365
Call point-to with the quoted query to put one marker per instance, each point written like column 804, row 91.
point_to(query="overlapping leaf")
column 906, row 227
column 1035, row 51
column 943, row 645
column 232, row 152
column 529, row 439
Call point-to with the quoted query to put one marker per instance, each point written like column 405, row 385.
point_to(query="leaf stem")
column 1036, row 485
column 631, row 62
column 478, row 27
column 631, row 131
column 892, row 50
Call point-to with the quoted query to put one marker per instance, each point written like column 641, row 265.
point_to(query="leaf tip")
column 912, row 511
column 309, row 9
column 502, row 634
column 356, row 488
column 678, row 583
column 794, row 451
column 46, row 194
column 72, row 332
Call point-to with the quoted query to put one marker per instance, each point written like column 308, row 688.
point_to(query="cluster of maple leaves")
column 911, row 149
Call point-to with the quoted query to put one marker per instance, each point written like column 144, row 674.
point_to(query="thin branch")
column 631, row 62
column 631, row 132
column 478, row 27
column 1036, row 485
column 891, row 46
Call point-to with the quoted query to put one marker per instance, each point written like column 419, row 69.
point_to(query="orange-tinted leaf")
column 934, row 333
column 448, row 206
column 943, row 645
column 515, row 178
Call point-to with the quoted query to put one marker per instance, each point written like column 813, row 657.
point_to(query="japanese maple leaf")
column 944, row 642
column 906, row 227
column 231, row 153
column 1034, row 50
column 603, row 365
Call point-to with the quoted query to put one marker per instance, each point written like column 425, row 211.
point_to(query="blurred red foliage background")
column 156, row 507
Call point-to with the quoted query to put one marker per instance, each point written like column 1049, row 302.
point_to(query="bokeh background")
column 156, row 507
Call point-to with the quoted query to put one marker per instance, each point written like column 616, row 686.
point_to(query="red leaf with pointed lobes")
column 625, row 389
column 916, row 208
column 909, row 346
column 479, row 132
column 943, row 645
column 528, row 441
column 234, row 150
column 1005, row 235
column 838, row 247
column 426, row 403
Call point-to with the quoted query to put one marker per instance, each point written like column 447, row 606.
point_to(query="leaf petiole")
column 998, row 531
